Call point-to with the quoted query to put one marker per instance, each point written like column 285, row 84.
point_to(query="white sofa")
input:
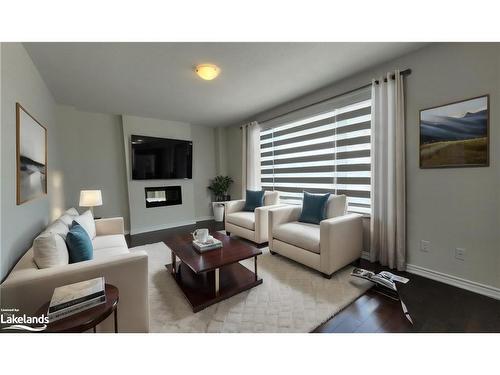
column 250, row 225
column 327, row 247
column 27, row 287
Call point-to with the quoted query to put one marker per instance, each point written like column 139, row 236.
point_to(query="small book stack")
column 71, row 299
column 211, row 244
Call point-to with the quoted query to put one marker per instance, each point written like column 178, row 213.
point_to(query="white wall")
column 449, row 207
column 94, row 158
column 21, row 82
column 144, row 219
column 204, row 169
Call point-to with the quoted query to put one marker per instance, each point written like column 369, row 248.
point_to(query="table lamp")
column 90, row 198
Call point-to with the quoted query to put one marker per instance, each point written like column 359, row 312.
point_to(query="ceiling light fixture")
column 207, row 71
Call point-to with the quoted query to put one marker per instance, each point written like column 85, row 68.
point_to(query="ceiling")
column 157, row 79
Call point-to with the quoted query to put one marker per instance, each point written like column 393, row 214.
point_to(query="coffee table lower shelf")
column 200, row 288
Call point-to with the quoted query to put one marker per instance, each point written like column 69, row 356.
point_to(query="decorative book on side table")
column 88, row 318
column 71, row 299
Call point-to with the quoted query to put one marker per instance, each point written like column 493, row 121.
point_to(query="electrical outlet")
column 425, row 246
column 460, row 253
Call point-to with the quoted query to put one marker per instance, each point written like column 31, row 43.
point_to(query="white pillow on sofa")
column 58, row 227
column 86, row 220
column 68, row 216
column 72, row 212
column 49, row 250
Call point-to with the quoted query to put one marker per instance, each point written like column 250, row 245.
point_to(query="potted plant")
column 219, row 186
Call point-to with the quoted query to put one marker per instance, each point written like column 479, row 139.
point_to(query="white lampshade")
column 90, row 198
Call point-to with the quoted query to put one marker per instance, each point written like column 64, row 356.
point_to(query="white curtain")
column 250, row 157
column 388, row 221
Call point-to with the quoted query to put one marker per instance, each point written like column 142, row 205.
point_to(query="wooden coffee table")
column 210, row 277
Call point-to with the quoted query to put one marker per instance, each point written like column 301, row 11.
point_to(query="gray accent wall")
column 451, row 208
column 94, row 159
column 21, row 82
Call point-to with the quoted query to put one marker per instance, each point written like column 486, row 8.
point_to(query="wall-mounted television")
column 161, row 158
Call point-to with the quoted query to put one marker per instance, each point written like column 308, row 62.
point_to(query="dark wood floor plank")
column 434, row 306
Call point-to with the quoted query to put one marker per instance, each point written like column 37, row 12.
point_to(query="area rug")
column 292, row 298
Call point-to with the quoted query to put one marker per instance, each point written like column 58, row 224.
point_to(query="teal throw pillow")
column 253, row 200
column 314, row 208
column 79, row 244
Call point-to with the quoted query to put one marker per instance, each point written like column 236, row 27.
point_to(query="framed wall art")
column 455, row 134
column 31, row 138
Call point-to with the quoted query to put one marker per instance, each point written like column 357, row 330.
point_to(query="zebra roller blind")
column 324, row 150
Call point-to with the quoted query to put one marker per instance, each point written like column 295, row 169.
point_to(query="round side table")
column 85, row 320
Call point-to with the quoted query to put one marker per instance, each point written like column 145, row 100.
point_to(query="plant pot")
column 218, row 211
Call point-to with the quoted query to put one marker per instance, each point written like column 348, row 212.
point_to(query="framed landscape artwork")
column 31, row 156
column 455, row 135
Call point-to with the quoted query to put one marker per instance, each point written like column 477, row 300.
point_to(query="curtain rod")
column 404, row 73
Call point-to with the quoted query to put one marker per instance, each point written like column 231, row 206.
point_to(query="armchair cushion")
column 314, row 208
column 303, row 235
column 243, row 219
column 271, row 198
column 254, row 199
column 336, row 206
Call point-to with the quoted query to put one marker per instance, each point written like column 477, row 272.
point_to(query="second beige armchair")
column 327, row 247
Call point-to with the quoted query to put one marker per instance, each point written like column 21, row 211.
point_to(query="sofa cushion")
column 243, row 219
column 303, row 235
column 109, row 245
column 253, row 200
column 86, row 220
column 79, row 244
column 49, row 250
column 109, row 252
column 112, row 240
column 314, row 208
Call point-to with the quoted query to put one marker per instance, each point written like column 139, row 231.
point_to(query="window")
column 323, row 152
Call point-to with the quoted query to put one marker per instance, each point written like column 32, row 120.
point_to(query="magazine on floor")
column 385, row 283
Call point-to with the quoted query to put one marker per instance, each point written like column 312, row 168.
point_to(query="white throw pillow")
column 49, row 250
column 86, row 220
column 58, row 227
column 67, row 219
column 72, row 212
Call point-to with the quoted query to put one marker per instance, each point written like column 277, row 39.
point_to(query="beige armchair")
column 327, row 247
column 250, row 225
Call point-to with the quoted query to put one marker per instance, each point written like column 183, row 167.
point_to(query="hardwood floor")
column 433, row 306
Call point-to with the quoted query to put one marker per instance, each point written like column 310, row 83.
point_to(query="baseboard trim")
column 161, row 227
column 459, row 282
column 365, row 255
column 204, row 218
